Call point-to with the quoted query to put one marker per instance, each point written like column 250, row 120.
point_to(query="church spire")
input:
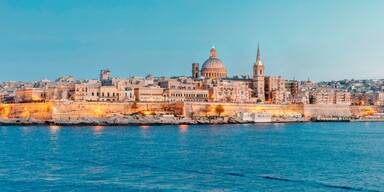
column 258, row 58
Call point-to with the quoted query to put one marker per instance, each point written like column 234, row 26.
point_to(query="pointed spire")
column 258, row 58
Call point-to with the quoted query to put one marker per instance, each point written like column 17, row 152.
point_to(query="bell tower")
column 258, row 78
column 195, row 70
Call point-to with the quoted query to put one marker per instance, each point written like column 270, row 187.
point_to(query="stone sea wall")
column 124, row 113
column 37, row 111
column 231, row 109
column 326, row 110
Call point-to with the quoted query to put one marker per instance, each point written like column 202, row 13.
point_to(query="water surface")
column 262, row 157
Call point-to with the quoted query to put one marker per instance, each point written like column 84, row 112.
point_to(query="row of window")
column 214, row 74
column 188, row 95
column 108, row 94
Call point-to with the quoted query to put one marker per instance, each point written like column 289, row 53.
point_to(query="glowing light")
column 25, row 114
column 5, row 111
column 36, row 98
column 98, row 111
column 146, row 113
column 368, row 112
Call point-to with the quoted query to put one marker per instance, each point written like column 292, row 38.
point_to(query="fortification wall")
column 326, row 110
column 77, row 111
column 366, row 110
column 37, row 111
column 231, row 109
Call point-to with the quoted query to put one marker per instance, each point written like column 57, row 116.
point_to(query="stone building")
column 29, row 95
column 342, row 97
column 48, row 92
column 109, row 93
column 149, row 94
column 329, row 96
column 375, row 98
column 178, row 83
column 228, row 90
column 186, row 95
column 293, row 87
column 275, row 90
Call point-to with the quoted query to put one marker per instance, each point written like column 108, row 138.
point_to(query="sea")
column 250, row 157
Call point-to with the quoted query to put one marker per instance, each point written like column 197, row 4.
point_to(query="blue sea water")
column 261, row 157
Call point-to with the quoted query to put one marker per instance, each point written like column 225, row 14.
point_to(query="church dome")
column 213, row 67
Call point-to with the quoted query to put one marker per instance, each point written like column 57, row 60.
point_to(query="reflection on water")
column 54, row 129
column 98, row 129
column 145, row 126
column 144, row 130
column 26, row 130
column 183, row 128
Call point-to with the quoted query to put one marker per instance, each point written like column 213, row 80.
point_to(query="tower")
column 105, row 77
column 258, row 77
column 195, row 70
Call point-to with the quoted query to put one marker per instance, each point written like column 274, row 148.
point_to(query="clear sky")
column 323, row 39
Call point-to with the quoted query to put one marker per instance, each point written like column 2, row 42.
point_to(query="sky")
column 299, row 39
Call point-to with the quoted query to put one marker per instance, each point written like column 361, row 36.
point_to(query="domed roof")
column 213, row 63
column 213, row 67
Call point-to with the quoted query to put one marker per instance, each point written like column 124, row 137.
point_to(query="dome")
column 213, row 63
column 213, row 67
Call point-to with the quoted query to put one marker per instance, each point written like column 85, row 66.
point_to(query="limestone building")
column 275, row 90
column 229, row 90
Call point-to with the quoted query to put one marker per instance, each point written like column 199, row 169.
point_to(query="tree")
column 219, row 109
column 259, row 100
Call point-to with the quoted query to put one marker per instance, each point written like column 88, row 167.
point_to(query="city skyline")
column 42, row 39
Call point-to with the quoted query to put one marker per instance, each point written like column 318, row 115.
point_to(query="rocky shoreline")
column 134, row 120
column 154, row 120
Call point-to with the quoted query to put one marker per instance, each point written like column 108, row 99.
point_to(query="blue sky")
column 323, row 40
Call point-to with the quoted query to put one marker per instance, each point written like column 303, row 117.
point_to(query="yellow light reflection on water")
column 98, row 129
column 183, row 128
column 145, row 126
column 54, row 128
